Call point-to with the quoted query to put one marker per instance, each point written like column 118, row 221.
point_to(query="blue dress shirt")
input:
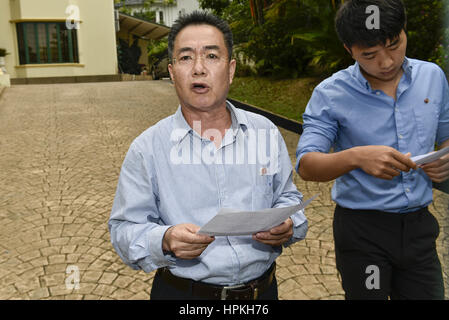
column 171, row 175
column 345, row 112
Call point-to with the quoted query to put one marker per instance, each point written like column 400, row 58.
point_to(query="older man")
column 207, row 156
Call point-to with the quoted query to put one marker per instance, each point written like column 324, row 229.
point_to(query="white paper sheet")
column 230, row 222
column 429, row 157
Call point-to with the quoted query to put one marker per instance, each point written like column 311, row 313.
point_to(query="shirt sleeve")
column 319, row 126
column 285, row 192
column 134, row 224
column 443, row 120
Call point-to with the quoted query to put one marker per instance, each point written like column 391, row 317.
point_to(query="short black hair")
column 351, row 17
column 197, row 18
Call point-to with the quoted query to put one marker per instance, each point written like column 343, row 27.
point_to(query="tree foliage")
column 144, row 12
column 157, row 50
column 428, row 30
column 291, row 38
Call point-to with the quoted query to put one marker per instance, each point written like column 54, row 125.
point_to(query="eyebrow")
column 212, row 47
column 365, row 54
column 189, row 49
column 185, row 49
column 393, row 43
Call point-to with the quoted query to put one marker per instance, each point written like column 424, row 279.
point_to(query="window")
column 47, row 42
column 161, row 17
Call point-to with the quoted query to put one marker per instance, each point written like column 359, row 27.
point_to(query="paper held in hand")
column 429, row 157
column 230, row 222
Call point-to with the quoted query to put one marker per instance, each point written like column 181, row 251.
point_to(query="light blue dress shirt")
column 171, row 175
column 345, row 112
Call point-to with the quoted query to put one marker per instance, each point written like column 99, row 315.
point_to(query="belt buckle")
column 225, row 289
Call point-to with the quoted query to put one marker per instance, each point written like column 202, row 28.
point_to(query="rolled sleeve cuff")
column 441, row 138
column 157, row 258
column 302, row 152
column 300, row 227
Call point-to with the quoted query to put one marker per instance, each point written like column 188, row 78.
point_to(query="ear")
column 170, row 70
column 232, row 66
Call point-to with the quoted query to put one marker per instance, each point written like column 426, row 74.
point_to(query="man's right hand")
column 383, row 162
column 184, row 242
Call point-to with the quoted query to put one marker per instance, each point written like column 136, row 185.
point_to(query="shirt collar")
column 408, row 68
column 357, row 73
column 180, row 124
column 238, row 118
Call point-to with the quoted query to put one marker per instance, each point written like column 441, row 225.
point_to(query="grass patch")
column 288, row 97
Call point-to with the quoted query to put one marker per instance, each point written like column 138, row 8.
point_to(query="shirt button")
column 396, row 109
column 407, row 190
column 400, row 136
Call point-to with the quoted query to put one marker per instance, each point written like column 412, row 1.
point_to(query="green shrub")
column 3, row 52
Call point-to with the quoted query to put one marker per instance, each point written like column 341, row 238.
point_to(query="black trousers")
column 382, row 255
column 161, row 290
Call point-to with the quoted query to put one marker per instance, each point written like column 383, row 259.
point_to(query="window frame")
column 72, row 43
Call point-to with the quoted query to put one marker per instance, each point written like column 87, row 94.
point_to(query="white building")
column 167, row 11
column 58, row 38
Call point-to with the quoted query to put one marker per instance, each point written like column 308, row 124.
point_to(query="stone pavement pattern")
column 62, row 147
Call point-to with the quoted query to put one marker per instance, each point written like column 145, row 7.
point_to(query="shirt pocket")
column 426, row 116
column 262, row 193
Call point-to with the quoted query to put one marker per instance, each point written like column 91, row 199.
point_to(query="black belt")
column 421, row 210
column 247, row 291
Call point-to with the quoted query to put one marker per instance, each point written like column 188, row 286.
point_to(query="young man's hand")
column 378, row 161
column 438, row 170
column 383, row 162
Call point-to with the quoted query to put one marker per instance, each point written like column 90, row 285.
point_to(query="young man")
column 181, row 171
column 375, row 115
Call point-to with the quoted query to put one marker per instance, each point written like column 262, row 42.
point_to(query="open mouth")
column 200, row 87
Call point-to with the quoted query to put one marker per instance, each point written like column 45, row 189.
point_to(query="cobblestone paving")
column 62, row 147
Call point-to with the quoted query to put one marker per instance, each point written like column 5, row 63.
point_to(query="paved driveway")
column 62, row 147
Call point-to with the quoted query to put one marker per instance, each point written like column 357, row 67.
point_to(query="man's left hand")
column 277, row 235
column 438, row 170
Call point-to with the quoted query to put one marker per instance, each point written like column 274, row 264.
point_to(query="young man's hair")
column 199, row 18
column 351, row 18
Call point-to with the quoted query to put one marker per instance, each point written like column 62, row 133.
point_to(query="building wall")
column 96, row 36
column 7, row 33
column 171, row 12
